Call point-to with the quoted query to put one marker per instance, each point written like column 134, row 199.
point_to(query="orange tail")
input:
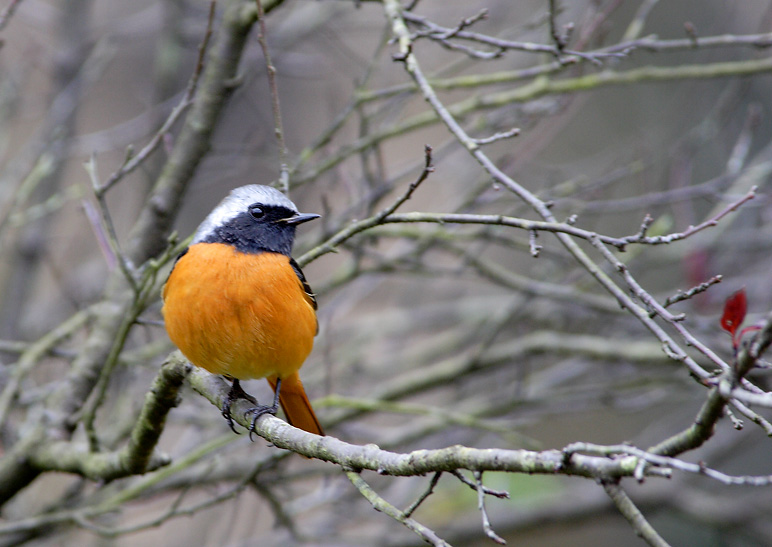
column 295, row 403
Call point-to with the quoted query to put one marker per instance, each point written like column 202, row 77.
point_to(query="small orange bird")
column 237, row 304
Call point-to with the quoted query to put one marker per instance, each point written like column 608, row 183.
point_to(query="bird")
column 237, row 304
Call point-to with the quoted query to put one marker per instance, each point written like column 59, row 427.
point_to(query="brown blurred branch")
column 8, row 12
column 133, row 160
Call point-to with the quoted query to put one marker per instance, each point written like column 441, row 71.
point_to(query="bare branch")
column 487, row 528
column 641, row 237
column 423, row 497
column 132, row 160
column 385, row 507
column 698, row 289
column 633, row 515
column 498, row 136
column 8, row 12
column 278, row 127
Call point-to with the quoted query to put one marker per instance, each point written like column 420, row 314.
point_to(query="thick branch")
column 138, row 455
column 419, row 462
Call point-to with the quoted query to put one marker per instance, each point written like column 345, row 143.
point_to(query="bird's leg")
column 235, row 393
column 259, row 410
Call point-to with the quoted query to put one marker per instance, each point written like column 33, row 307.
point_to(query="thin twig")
column 713, row 221
column 633, row 515
column 501, row 494
column 107, row 232
column 278, row 126
column 426, row 493
column 665, row 462
column 425, row 172
column 636, row 25
column 132, row 160
column 557, row 37
column 380, row 504
column 538, row 87
column 8, row 12
column 499, row 136
column 32, row 355
column 702, row 287
column 487, row 528
column 742, row 146
column 94, row 220
column 535, row 248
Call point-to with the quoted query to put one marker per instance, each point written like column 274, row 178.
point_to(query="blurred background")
column 430, row 335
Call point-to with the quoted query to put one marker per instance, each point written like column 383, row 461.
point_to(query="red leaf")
column 734, row 311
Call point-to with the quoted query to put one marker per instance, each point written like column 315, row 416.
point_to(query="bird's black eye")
column 256, row 211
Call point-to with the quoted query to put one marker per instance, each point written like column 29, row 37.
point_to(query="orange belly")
column 241, row 315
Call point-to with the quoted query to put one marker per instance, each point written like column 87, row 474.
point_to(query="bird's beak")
column 299, row 218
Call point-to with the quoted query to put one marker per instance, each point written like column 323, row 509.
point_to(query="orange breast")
column 242, row 315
